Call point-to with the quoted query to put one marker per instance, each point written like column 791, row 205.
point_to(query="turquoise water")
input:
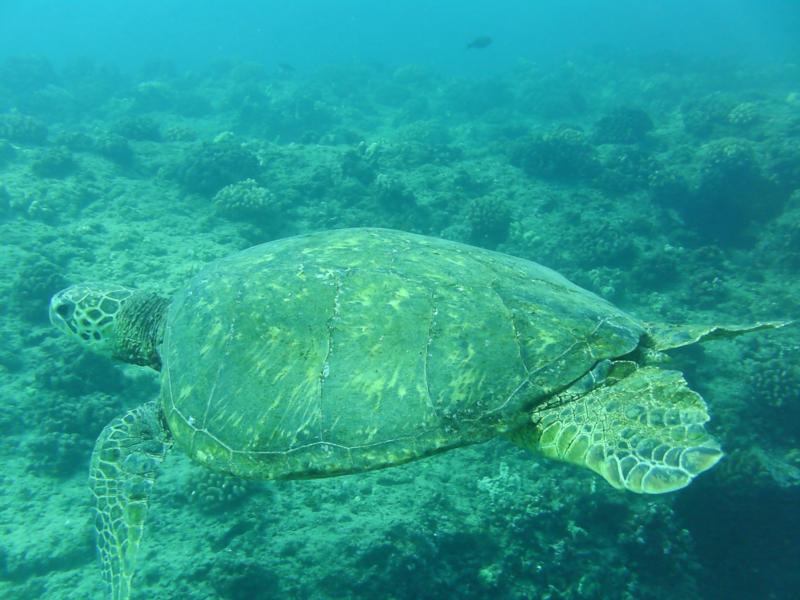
column 650, row 153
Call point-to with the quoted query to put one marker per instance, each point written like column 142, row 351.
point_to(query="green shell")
column 349, row 350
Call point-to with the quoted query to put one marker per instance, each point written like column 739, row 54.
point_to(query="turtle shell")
column 357, row 349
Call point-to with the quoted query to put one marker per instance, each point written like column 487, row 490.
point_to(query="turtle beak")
column 62, row 311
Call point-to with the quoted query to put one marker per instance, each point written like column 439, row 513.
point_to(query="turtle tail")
column 125, row 463
column 642, row 431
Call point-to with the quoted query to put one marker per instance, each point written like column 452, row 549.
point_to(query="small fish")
column 480, row 42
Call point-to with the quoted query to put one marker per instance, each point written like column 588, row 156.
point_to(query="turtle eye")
column 65, row 310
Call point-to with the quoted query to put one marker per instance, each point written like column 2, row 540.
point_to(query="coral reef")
column 7, row 152
column 624, row 169
column 56, row 454
column 774, row 384
column 783, row 163
column 392, row 193
column 54, row 163
column 669, row 187
column 604, row 243
column 36, row 279
column 66, row 436
column 780, row 243
column 247, row 201
column 564, row 155
column 695, row 222
column 241, row 580
column 564, row 98
column 5, row 199
column 355, row 163
column 623, row 126
column 744, row 114
column 154, row 94
column 302, row 116
column 138, row 128
column 731, row 194
column 179, row 133
column 706, row 116
column 20, row 76
column 210, row 166
column 658, row 269
column 488, row 219
column 478, row 97
column 423, row 143
column 23, row 129
column 115, row 148
column 215, row 492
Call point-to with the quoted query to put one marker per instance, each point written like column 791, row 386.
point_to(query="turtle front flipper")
column 642, row 431
column 125, row 463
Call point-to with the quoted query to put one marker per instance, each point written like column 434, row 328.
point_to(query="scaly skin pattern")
column 350, row 350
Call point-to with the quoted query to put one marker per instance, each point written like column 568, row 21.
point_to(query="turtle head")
column 88, row 312
column 112, row 320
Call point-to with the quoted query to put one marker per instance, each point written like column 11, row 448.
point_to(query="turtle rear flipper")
column 125, row 464
column 663, row 336
column 643, row 432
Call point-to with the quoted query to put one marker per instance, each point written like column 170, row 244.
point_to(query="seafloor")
column 671, row 186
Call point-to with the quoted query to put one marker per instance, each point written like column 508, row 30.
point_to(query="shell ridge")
column 330, row 326
column 427, row 351
column 513, row 320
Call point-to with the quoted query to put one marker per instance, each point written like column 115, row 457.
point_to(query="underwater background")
column 649, row 151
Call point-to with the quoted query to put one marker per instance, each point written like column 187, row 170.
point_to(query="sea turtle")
column 358, row 349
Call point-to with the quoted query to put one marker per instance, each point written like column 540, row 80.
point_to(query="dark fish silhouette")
column 480, row 42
